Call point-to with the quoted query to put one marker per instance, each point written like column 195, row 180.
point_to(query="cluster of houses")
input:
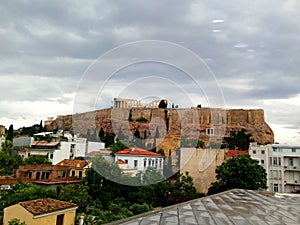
column 281, row 161
column 63, row 150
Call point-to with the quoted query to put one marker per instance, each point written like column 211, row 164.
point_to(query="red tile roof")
column 136, row 151
column 46, row 205
column 74, row 163
column 120, row 161
column 235, row 153
column 23, row 150
column 43, row 167
column 58, row 180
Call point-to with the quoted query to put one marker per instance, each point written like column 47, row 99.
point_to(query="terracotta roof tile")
column 46, row 205
column 136, row 151
column 73, row 163
column 120, row 161
column 43, row 167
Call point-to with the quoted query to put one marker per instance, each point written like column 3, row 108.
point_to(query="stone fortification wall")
column 171, row 122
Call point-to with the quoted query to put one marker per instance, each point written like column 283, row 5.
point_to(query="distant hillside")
column 172, row 123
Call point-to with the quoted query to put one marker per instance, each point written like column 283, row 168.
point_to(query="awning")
column 42, row 153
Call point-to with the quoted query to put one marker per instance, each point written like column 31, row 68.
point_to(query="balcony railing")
column 292, row 182
column 291, row 168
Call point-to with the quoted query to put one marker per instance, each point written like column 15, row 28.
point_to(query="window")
column 275, row 161
column 60, row 219
column 135, row 163
column 64, row 174
column 254, row 151
column 275, row 187
column 291, row 162
column 262, row 161
column 274, row 149
column 51, row 155
column 145, row 163
column 210, row 131
column 80, row 174
column 279, row 161
column 73, row 173
column 263, row 152
column 293, row 150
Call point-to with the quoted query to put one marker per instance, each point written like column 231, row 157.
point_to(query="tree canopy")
column 8, row 162
column 239, row 172
column 23, row 192
column 239, row 140
column 10, row 133
column 37, row 160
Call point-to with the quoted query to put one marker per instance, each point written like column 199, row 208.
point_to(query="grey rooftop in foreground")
column 236, row 206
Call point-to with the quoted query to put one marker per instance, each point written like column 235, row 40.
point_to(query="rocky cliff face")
column 173, row 124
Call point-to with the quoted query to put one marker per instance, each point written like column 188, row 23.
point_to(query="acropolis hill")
column 180, row 122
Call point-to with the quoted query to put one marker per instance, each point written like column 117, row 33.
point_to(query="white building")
column 134, row 160
column 282, row 163
column 59, row 150
column 95, row 146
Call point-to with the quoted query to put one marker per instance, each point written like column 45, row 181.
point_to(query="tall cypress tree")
column 10, row 133
column 101, row 134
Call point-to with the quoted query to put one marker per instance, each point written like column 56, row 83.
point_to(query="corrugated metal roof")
column 231, row 207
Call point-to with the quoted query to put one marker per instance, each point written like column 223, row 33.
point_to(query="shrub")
column 142, row 119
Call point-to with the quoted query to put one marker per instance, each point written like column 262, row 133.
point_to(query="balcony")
column 291, row 168
column 292, row 182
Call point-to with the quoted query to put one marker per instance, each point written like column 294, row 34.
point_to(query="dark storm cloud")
column 252, row 47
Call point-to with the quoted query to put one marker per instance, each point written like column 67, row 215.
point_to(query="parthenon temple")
column 126, row 103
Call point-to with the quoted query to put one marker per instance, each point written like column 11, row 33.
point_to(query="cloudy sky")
column 52, row 52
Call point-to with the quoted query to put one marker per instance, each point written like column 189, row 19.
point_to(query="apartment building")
column 282, row 163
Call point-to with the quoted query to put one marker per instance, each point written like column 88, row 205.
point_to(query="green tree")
column 239, row 172
column 109, row 139
column 102, row 180
column 24, row 192
column 163, row 104
column 37, row 160
column 41, row 128
column 101, row 134
column 137, row 141
column 77, row 194
column 239, row 140
column 200, row 144
column 184, row 188
column 16, row 221
column 8, row 162
column 161, row 151
column 10, row 133
column 142, row 120
column 151, row 176
column 119, row 145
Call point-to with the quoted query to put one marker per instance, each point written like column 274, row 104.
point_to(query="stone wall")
column 180, row 122
column 201, row 165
